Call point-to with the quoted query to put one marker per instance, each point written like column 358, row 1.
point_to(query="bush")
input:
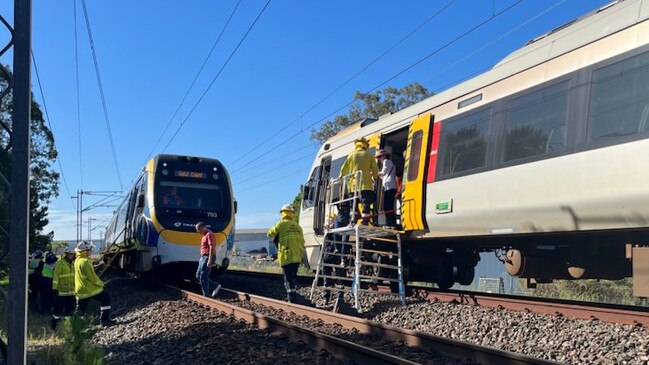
column 77, row 332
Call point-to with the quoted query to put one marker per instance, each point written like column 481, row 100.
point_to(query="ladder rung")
column 378, row 292
column 329, row 288
column 335, row 277
column 340, row 242
column 393, row 254
column 378, row 278
column 334, row 265
column 376, row 264
column 339, row 254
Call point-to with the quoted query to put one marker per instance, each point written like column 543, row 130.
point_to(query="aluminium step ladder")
column 350, row 251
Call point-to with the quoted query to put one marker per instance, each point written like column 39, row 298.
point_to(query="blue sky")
column 298, row 52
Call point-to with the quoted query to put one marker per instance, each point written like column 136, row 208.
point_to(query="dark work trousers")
column 34, row 281
column 63, row 306
column 368, row 197
column 388, row 207
column 104, row 302
column 290, row 277
column 45, row 295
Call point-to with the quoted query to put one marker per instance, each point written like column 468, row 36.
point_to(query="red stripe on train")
column 432, row 157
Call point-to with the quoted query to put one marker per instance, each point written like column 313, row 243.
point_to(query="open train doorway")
column 395, row 144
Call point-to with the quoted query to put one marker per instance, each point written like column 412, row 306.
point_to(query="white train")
column 545, row 157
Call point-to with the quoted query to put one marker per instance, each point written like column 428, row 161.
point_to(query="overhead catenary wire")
column 47, row 118
column 234, row 51
column 265, row 163
column 267, row 183
column 350, row 79
column 473, row 74
column 434, row 52
column 274, row 168
column 191, row 86
column 101, row 93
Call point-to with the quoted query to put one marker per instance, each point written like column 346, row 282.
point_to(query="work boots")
column 105, row 319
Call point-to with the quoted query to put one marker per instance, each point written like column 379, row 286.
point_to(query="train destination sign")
column 190, row 174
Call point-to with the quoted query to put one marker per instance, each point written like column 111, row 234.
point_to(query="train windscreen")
column 186, row 193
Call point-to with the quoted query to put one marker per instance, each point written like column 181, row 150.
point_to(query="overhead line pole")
column 19, row 228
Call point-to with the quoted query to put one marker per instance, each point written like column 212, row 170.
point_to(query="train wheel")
column 445, row 278
column 465, row 275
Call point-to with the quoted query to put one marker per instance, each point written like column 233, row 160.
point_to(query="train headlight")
column 165, row 172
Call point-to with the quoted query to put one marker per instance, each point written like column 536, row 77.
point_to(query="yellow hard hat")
column 362, row 141
column 287, row 208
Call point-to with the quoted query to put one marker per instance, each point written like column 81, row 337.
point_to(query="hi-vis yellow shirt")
column 86, row 284
column 290, row 246
column 63, row 279
column 360, row 160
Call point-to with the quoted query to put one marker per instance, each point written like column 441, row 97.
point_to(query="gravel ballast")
column 155, row 326
column 560, row 339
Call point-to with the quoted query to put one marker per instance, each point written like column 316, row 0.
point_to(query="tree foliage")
column 372, row 105
column 297, row 205
column 43, row 182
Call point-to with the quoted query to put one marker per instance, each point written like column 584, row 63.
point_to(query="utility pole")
column 79, row 215
column 90, row 219
column 20, row 141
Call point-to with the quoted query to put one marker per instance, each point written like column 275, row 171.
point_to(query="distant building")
column 253, row 242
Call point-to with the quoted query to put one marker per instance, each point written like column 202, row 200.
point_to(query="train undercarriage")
column 611, row 255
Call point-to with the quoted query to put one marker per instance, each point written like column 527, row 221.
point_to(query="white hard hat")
column 83, row 246
column 66, row 249
column 287, row 208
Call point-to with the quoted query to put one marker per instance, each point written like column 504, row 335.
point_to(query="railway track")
column 611, row 313
column 346, row 349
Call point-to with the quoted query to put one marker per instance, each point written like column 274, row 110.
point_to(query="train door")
column 414, row 179
column 319, row 218
column 394, row 143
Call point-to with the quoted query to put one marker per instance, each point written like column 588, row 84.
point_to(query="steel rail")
column 611, row 313
column 427, row 342
column 317, row 341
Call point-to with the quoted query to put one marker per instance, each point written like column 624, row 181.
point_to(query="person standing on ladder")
column 63, row 286
column 288, row 237
column 362, row 160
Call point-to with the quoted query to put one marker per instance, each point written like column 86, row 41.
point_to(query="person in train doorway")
column 362, row 160
column 63, row 286
column 205, row 263
column 388, row 176
column 88, row 286
column 288, row 237
column 34, row 278
column 47, row 273
column 171, row 199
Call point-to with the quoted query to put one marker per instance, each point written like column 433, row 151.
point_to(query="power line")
column 267, row 183
column 456, row 39
column 217, row 75
column 251, row 168
column 274, row 168
column 191, row 86
column 47, row 116
column 354, row 76
column 101, row 92
column 76, row 66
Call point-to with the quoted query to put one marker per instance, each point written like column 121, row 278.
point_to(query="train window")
column 619, row 100
column 536, row 123
column 308, row 196
column 415, row 153
column 464, row 142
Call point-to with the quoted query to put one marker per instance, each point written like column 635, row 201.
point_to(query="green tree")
column 297, row 205
column 372, row 105
column 44, row 181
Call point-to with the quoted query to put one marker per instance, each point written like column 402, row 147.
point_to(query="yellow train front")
column 154, row 225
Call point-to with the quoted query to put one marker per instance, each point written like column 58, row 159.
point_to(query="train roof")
column 599, row 23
